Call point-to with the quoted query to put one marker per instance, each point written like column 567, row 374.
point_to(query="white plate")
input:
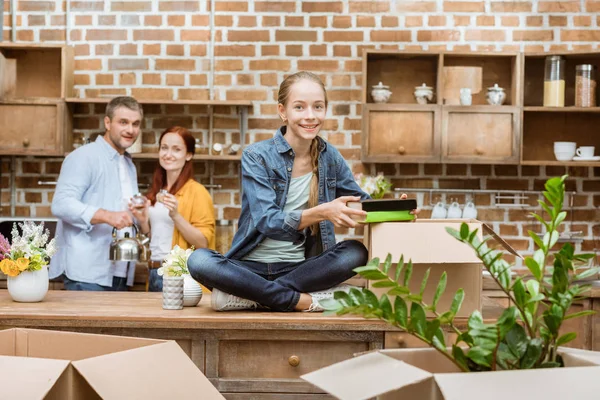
column 595, row 158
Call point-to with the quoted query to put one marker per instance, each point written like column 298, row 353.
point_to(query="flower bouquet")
column 25, row 261
column 375, row 186
column 179, row 288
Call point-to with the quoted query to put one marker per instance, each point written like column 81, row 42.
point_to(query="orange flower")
column 22, row 263
column 9, row 267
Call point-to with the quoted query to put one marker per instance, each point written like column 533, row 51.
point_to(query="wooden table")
column 246, row 354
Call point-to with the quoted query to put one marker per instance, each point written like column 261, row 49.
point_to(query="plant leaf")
column 424, row 282
column 532, row 354
column 418, row 319
column 386, row 307
column 408, row 273
column 457, row 301
column 400, row 311
column 464, row 231
column 533, row 267
column 399, row 267
column 580, row 314
column 387, row 263
column 537, row 240
column 566, row 338
column 480, row 356
column 439, row 291
column 399, row 291
column 381, row 284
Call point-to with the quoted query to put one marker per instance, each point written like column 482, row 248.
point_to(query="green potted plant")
column 525, row 336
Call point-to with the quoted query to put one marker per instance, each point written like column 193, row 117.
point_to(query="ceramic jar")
column 172, row 292
column 29, row 286
column 495, row 95
column 381, row 93
column 192, row 291
column 423, row 94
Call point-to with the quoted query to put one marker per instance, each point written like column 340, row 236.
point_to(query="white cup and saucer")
column 565, row 151
column 586, row 153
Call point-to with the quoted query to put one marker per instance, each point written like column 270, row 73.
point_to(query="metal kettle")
column 129, row 248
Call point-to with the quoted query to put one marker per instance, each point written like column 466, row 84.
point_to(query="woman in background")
column 179, row 210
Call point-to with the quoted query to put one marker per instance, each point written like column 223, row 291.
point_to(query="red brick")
column 592, row 6
column 511, row 6
column 258, row 95
column 52, row 35
column 195, row 35
column 153, row 20
column 365, row 21
column 317, row 50
column 128, row 49
column 340, row 22
column 36, row 5
column 271, row 20
column 231, row 6
column 128, row 64
column 344, row 95
column 153, row 93
column 104, row 49
column 270, row 50
column 175, row 65
column 152, row 49
column 127, row 79
column 270, row 65
column 88, row 65
column 510, row 20
column 36, row 20
column 485, row 35
column 582, row 35
column 246, row 21
column 293, row 21
column 416, row 6
column 198, row 50
column 106, row 34
column 176, row 50
column 462, row 20
column 318, row 65
column 107, row 20
column 235, row 51
column 223, row 20
column 176, row 20
column 57, row 20
column 175, row 79
column 559, row 6
column 181, row 6
column 369, row 7
column 533, row 35
column 322, row 6
column 248, row 36
column 275, row 6
column 463, row 6
column 130, row 6
column 485, row 20
column 557, row 20
column 269, row 79
column 158, row 35
column 438, row 36
column 582, row 20
column 318, row 22
column 390, row 36
column 293, row 50
column 81, row 79
column 436, row 20
column 535, row 21
column 343, row 36
column 341, row 80
column 106, row 79
column 295, row 36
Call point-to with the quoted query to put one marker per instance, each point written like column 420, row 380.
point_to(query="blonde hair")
column 282, row 98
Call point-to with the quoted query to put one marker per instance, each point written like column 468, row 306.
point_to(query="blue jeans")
column 119, row 285
column 277, row 285
column 155, row 281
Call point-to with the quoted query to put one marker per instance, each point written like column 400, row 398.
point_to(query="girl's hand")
column 414, row 212
column 171, row 203
column 340, row 214
column 140, row 213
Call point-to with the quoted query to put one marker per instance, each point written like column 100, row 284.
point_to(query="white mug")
column 469, row 212
column 564, row 151
column 586, row 151
column 465, row 97
column 439, row 211
column 454, row 211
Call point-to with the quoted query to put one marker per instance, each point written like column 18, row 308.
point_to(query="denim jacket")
column 266, row 174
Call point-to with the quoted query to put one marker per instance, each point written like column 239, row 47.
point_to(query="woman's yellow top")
column 196, row 206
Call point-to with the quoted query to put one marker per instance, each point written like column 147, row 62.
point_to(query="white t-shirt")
column 162, row 231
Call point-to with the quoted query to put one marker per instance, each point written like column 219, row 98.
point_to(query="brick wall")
column 160, row 49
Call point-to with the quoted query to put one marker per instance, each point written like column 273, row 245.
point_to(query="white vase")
column 192, row 291
column 29, row 286
column 172, row 292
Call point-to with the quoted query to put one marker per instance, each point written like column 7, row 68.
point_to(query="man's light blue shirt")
column 89, row 180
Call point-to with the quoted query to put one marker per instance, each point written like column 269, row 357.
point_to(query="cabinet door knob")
column 294, row 361
column 401, row 150
column 478, row 151
column 25, row 142
column 401, row 342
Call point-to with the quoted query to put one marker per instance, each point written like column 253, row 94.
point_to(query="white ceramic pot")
column 423, row 94
column 29, row 286
column 496, row 95
column 380, row 93
column 172, row 292
column 192, row 291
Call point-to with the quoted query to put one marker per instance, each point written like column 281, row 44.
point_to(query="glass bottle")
column 223, row 235
column 554, row 82
column 138, row 200
column 585, row 85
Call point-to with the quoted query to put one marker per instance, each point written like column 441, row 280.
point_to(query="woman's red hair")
column 159, row 179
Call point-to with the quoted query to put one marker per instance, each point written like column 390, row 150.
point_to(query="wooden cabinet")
column 34, row 80
column 32, row 128
column 487, row 134
column 542, row 126
column 403, row 131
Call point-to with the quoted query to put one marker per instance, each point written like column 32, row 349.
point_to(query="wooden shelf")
column 481, row 109
column 563, row 109
column 562, row 163
column 239, row 103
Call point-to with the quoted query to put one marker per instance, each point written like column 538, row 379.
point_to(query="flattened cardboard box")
column 39, row 364
column 425, row 374
column 428, row 245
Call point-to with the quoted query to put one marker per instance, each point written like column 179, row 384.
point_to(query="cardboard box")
column 39, row 364
column 425, row 374
column 428, row 245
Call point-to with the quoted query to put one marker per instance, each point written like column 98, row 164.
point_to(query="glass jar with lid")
column 585, row 85
column 554, row 82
